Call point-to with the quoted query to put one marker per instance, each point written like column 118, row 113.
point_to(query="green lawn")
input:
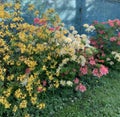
column 100, row 101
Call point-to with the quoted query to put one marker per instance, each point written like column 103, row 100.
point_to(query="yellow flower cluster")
column 4, row 101
column 23, row 104
column 17, row 6
column 7, row 93
column 34, row 99
column 19, row 94
column 31, row 7
column 23, row 49
column 41, row 106
column 3, row 14
column 2, row 72
column 30, row 63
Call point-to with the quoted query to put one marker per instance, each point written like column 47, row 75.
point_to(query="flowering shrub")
column 107, row 40
column 39, row 57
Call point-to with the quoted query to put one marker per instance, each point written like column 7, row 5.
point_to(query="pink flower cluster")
column 112, row 23
column 113, row 39
column 84, row 70
column 101, row 31
column 54, row 28
column 118, row 34
column 40, row 21
column 118, row 42
column 93, row 42
column 92, row 61
column 76, row 80
column 101, row 71
column 80, row 86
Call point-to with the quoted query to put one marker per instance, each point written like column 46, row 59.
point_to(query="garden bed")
column 45, row 67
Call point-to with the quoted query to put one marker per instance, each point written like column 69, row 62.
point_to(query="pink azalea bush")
column 107, row 40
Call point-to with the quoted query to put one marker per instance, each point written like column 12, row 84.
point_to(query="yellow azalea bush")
column 34, row 57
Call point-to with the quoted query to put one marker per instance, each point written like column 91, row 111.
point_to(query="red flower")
column 76, row 80
column 39, row 89
column 42, row 21
column 36, row 20
column 113, row 39
column 96, row 73
column 27, row 71
column 117, row 21
column 93, row 42
column 92, row 61
column 119, row 34
column 101, row 31
column 57, row 28
column 111, row 23
column 44, row 82
column 118, row 42
column 80, row 87
column 84, row 70
column 52, row 29
column 103, row 22
column 103, row 70
column 101, row 61
column 103, row 54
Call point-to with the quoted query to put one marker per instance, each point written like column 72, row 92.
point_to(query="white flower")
column 108, row 59
column 88, row 30
column 24, row 83
column 92, row 27
column 118, row 59
column 111, row 62
column 64, row 61
column 87, row 43
column 74, row 57
column 77, row 36
column 82, row 60
column 72, row 28
column 62, row 82
column 68, row 40
column 86, row 25
column 62, row 24
column 62, row 51
column 83, row 36
column 74, row 32
column 57, row 44
column 69, row 83
column 17, row 50
column 113, row 52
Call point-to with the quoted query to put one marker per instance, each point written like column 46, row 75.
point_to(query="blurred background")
column 76, row 12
